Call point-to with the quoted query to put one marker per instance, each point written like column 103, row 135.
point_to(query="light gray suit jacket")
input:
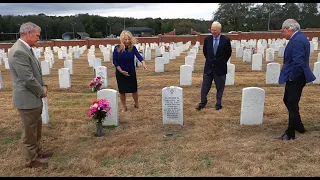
column 26, row 77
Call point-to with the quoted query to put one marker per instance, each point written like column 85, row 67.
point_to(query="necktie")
column 215, row 47
column 32, row 52
column 36, row 60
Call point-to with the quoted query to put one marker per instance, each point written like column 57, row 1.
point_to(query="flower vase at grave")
column 99, row 129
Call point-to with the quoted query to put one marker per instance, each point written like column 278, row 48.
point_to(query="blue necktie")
column 215, row 47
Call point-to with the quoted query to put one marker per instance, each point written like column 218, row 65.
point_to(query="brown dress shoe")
column 45, row 155
column 37, row 164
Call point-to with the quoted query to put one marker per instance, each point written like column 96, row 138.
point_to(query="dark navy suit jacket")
column 296, row 59
column 219, row 61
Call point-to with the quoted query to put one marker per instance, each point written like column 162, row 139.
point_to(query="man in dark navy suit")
column 217, row 51
column 295, row 73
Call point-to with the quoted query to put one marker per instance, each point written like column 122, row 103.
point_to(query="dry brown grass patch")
column 209, row 143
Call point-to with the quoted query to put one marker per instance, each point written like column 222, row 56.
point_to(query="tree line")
column 232, row 16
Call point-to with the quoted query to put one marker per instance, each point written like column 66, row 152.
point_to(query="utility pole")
column 269, row 18
column 73, row 29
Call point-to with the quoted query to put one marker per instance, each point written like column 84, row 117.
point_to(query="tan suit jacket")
column 26, row 77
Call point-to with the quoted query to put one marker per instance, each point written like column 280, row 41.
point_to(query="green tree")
column 232, row 16
column 309, row 14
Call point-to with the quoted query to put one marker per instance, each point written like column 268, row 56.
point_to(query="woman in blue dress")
column 123, row 60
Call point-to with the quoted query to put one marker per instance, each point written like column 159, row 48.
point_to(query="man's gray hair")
column 28, row 26
column 217, row 23
column 291, row 24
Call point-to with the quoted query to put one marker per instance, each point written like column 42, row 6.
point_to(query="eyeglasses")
column 281, row 31
column 215, row 30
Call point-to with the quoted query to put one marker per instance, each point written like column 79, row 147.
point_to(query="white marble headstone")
column 311, row 47
column 6, row 63
column 270, row 55
column 189, row 60
column 69, row 64
column 252, row 106
column 147, row 54
column 316, row 72
column 172, row 105
column 45, row 67
column 246, row 55
column 158, row 52
column 64, row 78
column 239, row 52
column 97, row 62
column 260, row 50
column 281, row 51
column 273, row 73
column 186, row 75
column 101, row 71
column 106, row 56
column 230, row 74
column 159, row 64
column 315, row 45
column 257, row 62
column 1, row 84
column 91, row 59
column 166, row 57
column 172, row 54
column 45, row 111
column 60, row 55
column 77, row 54
column 110, row 95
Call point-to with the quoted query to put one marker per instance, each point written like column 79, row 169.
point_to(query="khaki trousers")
column 31, row 132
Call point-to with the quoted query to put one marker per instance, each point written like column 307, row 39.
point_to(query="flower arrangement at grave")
column 245, row 47
column 254, row 50
column 98, row 111
column 166, row 48
column 95, row 84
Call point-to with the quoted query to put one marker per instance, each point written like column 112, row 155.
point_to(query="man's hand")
column 44, row 92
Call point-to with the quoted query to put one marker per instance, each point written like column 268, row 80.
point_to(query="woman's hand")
column 125, row 73
column 144, row 65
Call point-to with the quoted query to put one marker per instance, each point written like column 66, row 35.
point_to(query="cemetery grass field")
column 210, row 143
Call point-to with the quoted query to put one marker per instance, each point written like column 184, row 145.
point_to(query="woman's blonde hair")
column 132, row 41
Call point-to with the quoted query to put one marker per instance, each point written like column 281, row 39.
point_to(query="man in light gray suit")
column 28, row 89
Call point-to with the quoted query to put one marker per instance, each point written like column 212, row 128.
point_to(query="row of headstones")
column 101, row 71
column 262, row 43
column 246, row 54
column 271, row 43
column 246, row 51
column 252, row 106
column 65, row 53
column 272, row 74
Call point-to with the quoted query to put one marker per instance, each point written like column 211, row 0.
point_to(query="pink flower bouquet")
column 95, row 84
column 99, row 110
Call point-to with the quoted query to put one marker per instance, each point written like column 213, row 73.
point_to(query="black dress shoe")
column 199, row 107
column 286, row 137
column 301, row 130
column 218, row 108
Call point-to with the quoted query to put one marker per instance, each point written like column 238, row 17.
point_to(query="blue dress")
column 125, row 59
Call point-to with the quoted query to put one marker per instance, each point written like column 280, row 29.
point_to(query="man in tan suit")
column 28, row 89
